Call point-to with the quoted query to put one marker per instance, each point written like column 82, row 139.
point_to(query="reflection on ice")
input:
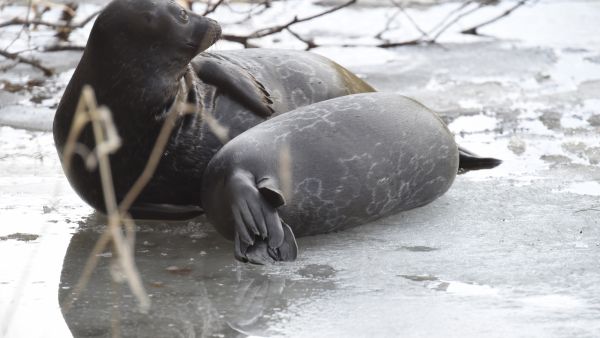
column 196, row 287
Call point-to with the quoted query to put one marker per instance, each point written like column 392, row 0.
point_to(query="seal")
column 140, row 57
column 351, row 160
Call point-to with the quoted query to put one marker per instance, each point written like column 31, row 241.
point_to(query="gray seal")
column 141, row 55
column 346, row 161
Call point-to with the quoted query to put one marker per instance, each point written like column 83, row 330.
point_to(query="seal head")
column 159, row 25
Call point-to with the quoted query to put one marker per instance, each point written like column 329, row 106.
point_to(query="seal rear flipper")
column 235, row 82
column 270, row 191
column 260, row 235
column 469, row 161
column 163, row 211
column 288, row 251
column 261, row 253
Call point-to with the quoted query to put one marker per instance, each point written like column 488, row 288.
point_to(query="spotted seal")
column 351, row 160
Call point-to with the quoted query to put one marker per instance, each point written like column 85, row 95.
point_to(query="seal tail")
column 260, row 235
column 468, row 161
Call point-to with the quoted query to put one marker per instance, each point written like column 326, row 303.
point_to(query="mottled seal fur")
column 140, row 55
column 352, row 160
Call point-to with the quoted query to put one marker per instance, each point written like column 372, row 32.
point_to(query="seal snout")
column 206, row 32
column 217, row 29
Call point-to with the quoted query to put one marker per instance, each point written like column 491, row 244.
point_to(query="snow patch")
column 556, row 301
column 463, row 289
column 590, row 188
column 473, row 124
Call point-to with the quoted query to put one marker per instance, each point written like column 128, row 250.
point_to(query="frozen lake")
column 511, row 252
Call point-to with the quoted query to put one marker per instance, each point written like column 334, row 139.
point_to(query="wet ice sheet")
column 38, row 213
column 509, row 252
column 441, row 270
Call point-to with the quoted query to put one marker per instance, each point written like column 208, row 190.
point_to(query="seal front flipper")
column 468, row 161
column 260, row 235
column 235, row 82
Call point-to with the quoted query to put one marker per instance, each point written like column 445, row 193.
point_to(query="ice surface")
column 510, row 252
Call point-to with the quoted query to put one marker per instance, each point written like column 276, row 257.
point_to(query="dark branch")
column 262, row 7
column 210, row 9
column 388, row 24
column 56, row 25
column 236, row 38
column 473, row 30
column 310, row 44
column 276, row 29
column 401, row 43
column 450, row 14
column 60, row 48
column 32, row 62
column 454, row 21
column 410, row 18
column 64, row 27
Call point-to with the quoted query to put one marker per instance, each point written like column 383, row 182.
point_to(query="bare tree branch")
column 398, row 44
column 456, row 19
column 450, row 14
column 410, row 18
column 276, row 29
column 389, row 21
column 60, row 48
column 23, row 28
column 60, row 27
column 55, row 25
column 473, row 30
column 444, row 24
column 310, row 44
column 210, row 9
column 262, row 7
column 32, row 62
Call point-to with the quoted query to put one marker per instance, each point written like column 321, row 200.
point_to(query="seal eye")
column 183, row 15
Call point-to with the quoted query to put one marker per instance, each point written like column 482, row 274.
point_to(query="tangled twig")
column 210, row 9
column 426, row 37
column 32, row 62
column 55, row 25
column 279, row 28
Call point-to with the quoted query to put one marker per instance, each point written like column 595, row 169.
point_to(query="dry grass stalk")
column 107, row 142
column 285, row 171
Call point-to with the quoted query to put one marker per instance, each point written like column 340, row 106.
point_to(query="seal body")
column 327, row 167
column 140, row 58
